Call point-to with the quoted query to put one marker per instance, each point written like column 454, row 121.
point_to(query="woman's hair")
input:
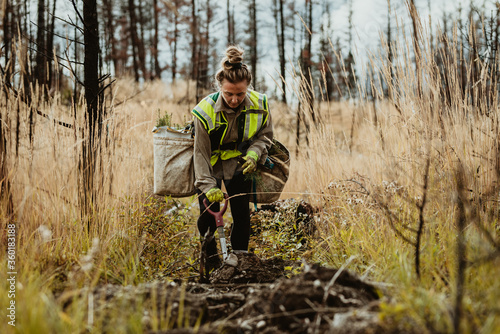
column 232, row 67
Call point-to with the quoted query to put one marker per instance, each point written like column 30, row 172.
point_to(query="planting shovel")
column 219, row 222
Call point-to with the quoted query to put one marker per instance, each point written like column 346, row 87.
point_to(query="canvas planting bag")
column 173, row 162
column 270, row 179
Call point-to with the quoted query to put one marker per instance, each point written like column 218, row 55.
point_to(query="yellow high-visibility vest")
column 250, row 121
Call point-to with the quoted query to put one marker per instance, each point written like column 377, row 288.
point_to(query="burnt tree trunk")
column 157, row 69
column 194, row 41
column 50, row 46
column 202, row 81
column 134, row 38
column 140, row 43
column 473, row 56
column 307, row 65
column 40, row 73
column 175, row 40
column 281, row 50
column 93, row 114
column 389, row 51
column 350, row 76
column 112, row 53
column 252, row 10
column 230, row 23
column 6, row 20
column 325, row 65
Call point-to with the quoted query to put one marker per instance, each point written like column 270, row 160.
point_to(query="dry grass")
column 55, row 252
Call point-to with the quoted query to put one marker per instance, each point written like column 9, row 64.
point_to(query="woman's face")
column 234, row 93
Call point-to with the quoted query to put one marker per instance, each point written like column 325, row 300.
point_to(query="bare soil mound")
column 251, row 269
column 255, row 296
column 318, row 300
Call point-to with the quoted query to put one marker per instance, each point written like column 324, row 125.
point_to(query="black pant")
column 240, row 232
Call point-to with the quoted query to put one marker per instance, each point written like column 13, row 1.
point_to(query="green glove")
column 251, row 162
column 215, row 195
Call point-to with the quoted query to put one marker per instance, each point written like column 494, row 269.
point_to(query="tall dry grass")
column 370, row 180
column 55, row 251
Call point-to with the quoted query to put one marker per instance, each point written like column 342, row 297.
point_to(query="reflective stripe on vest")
column 224, row 155
column 205, row 111
column 255, row 118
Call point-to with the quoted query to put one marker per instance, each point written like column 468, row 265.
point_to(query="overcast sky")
column 370, row 16
column 369, row 19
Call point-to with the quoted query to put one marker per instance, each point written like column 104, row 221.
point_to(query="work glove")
column 250, row 164
column 215, row 195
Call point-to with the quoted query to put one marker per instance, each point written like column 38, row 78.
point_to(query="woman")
column 231, row 125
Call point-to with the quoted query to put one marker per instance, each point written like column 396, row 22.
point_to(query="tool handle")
column 218, row 215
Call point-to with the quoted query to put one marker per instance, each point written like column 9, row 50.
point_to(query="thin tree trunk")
column 7, row 38
column 350, row 77
column 461, row 59
column 77, row 59
column 204, row 55
column 110, row 31
column 389, row 51
column 176, row 40
column 308, row 63
column 230, row 32
column 281, row 50
column 295, row 46
column 134, row 38
column 91, row 82
column 50, row 46
column 194, row 41
column 253, row 42
column 416, row 43
column 40, row 74
column 157, row 68
column 140, row 44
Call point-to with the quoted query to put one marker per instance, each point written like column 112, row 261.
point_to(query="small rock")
column 261, row 324
column 245, row 325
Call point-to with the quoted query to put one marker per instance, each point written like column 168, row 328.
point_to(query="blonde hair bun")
column 234, row 54
column 232, row 67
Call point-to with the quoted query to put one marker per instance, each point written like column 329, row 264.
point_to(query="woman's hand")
column 215, row 195
column 251, row 162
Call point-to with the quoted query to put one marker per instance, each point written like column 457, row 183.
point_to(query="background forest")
column 396, row 147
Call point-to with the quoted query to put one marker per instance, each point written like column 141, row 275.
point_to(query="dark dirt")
column 253, row 297
column 251, row 269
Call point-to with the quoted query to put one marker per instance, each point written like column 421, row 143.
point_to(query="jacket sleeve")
column 202, row 151
column 262, row 141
